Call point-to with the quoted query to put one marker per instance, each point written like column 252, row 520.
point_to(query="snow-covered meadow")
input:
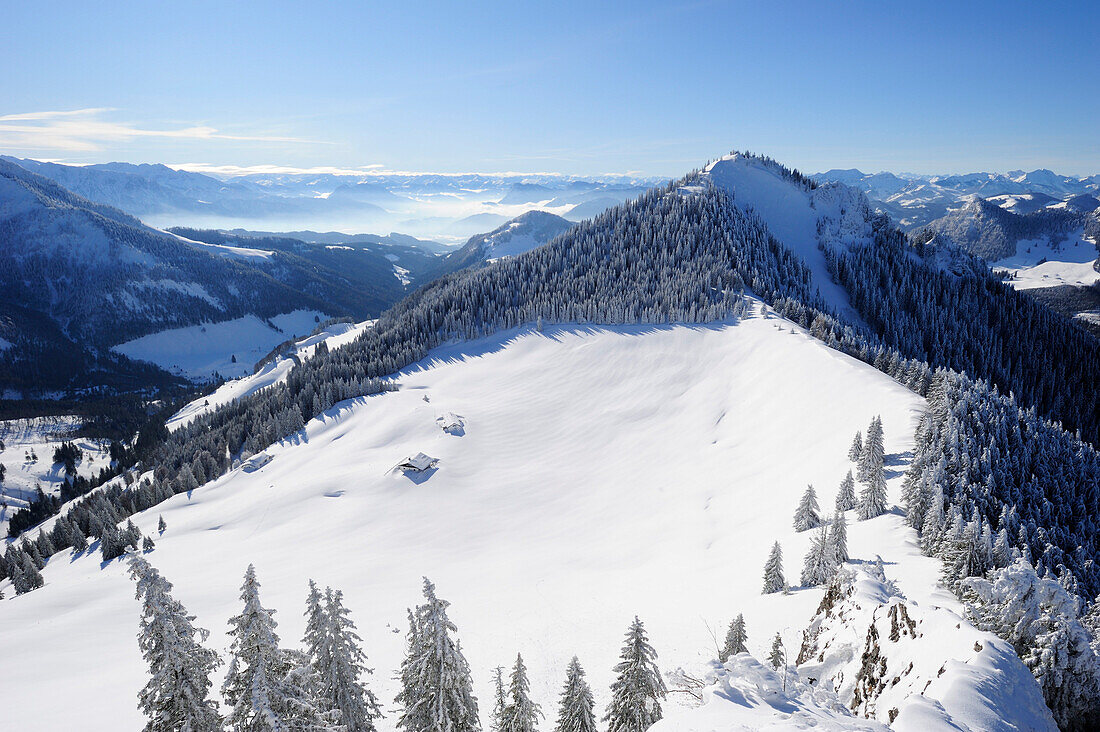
column 1043, row 263
column 601, row 472
column 229, row 348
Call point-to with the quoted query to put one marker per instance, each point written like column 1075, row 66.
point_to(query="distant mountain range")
column 914, row 200
column 81, row 277
column 428, row 206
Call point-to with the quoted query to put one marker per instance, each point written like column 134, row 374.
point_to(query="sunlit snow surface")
column 41, row 436
column 271, row 373
column 601, row 472
column 1039, row 263
column 198, row 351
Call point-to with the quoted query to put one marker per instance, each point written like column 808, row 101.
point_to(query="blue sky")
column 588, row 87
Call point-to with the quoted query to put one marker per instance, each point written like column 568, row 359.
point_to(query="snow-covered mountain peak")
column 522, row 234
column 799, row 213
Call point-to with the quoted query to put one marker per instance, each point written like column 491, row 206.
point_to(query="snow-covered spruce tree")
column 963, row 553
column 265, row 687
column 736, row 637
column 774, row 581
column 175, row 697
column 846, row 495
column 147, row 545
column 872, row 473
column 521, row 714
column 332, row 646
column 161, row 526
column 500, row 700
column 31, row 550
column 130, row 536
column 857, row 447
column 873, row 453
column 1042, row 622
column 819, row 565
column 25, row 576
column 576, row 712
column 638, row 689
column 777, row 657
column 436, row 688
column 808, row 514
column 110, row 542
column 838, row 539
column 32, row 576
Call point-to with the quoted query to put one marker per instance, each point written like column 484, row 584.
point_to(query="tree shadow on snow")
column 467, row 350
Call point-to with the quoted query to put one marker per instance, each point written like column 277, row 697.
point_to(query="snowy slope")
column 577, row 496
column 198, row 351
column 792, row 214
column 270, row 374
column 1046, row 263
column 41, row 436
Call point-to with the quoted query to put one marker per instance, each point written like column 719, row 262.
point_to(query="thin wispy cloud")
column 89, row 130
column 375, row 169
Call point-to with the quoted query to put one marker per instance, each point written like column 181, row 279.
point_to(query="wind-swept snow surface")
column 601, row 472
column 750, row 696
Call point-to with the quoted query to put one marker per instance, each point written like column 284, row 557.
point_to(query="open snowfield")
column 198, row 351
column 273, row 372
column 41, row 436
column 1038, row 263
column 602, row 472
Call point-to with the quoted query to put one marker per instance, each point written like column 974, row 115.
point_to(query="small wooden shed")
column 417, row 463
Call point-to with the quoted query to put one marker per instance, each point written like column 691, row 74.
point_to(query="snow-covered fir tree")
column 777, row 656
column 265, row 688
column 872, row 473
column 638, row 689
column 736, row 637
column 521, row 714
column 774, row 581
column 846, row 495
column 175, row 697
column 130, row 536
column 25, row 575
column 332, row 646
column 857, row 447
column 873, row 453
column 820, row 564
column 838, row 539
column 112, row 542
column 576, row 711
column 1042, row 622
column 808, row 514
column 161, row 526
column 436, row 688
column 500, row 699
